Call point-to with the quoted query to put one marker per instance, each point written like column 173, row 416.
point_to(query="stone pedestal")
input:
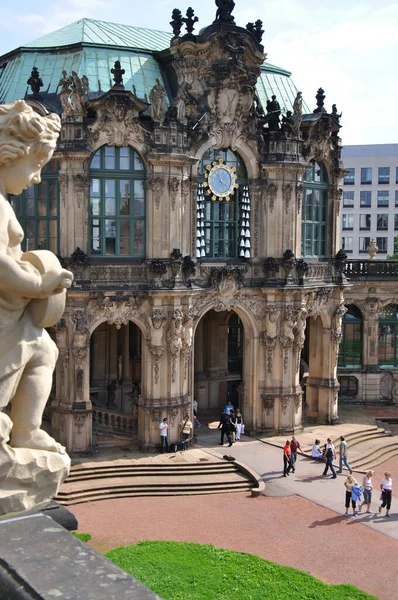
column 28, row 477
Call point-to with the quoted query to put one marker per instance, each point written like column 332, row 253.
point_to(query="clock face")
column 221, row 181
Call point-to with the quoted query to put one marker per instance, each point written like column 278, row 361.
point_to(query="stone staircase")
column 104, row 481
column 367, row 448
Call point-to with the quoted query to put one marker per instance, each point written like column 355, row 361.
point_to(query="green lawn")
column 187, row 571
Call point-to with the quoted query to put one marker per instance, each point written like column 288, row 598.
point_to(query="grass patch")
column 188, row 571
column 84, row 537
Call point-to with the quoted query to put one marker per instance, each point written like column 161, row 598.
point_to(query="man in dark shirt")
column 225, row 426
column 294, row 447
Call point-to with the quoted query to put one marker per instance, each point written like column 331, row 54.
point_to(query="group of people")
column 231, row 424
column 290, row 450
column 328, row 454
column 186, row 433
column 354, row 492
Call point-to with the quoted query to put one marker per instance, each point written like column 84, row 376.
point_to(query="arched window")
column 388, row 332
column 37, row 209
column 350, row 354
column 223, row 223
column 314, row 211
column 117, row 203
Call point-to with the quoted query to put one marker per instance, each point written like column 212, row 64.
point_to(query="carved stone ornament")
column 287, row 195
column 268, row 403
column 73, row 90
column 174, row 187
column 299, row 196
column 297, row 403
column 185, row 190
column 174, row 339
column 316, row 302
column 79, row 420
column 269, row 343
column 156, row 186
column 284, row 404
column 227, row 281
column 272, row 190
column 216, row 81
column 117, row 121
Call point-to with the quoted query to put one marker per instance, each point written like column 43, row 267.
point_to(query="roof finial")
column 224, row 11
column 118, row 73
column 190, row 20
column 176, row 22
column 35, row 82
column 320, row 98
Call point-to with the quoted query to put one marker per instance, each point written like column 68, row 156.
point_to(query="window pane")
column 348, row 199
column 138, row 164
column 366, row 175
column 110, row 237
column 349, row 179
column 124, row 158
column 52, row 187
column 96, row 161
column 30, row 235
column 139, row 237
column 366, row 198
column 110, row 199
column 42, row 235
column 125, row 236
column 110, row 158
column 384, row 175
column 30, row 201
column 96, row 237
column 124, row 188
column 42, row 199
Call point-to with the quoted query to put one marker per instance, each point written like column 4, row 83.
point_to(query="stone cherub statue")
column 32, row 296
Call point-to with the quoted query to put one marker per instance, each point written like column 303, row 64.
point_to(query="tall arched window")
column 350, row 354
column 37, row 209
column 223, row 223
column 388, row 332
column 314, row 211
column 117, row 203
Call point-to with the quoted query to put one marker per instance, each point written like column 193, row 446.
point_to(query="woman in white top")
column 386, row 493
column 316, row 451
column 367, row 490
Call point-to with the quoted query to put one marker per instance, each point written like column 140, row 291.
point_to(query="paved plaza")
column 298, row 522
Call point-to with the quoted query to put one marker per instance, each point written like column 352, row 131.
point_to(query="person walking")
column 287, row 462
column 343, row 455
column 294, row 447
column 186, row 431
column 386, row 493
column 225, row 426
column 232, row 420
column 330, row 455
column 229, row 408
column 239, row 424
column 349, row 484
column 367, row 491
column 164, row 437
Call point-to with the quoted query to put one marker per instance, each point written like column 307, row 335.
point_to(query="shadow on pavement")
column 332, row 521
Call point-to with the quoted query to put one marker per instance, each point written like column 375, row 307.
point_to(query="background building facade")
column 370, row 200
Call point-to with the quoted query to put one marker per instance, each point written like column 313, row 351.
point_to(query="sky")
column 350, row 49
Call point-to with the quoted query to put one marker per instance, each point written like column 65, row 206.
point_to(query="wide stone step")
column 185, row 491
column 375, row 458
column 90, row 482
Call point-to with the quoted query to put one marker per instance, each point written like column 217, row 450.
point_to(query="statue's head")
column 27, row 142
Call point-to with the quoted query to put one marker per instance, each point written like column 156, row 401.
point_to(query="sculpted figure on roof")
column 157, row 98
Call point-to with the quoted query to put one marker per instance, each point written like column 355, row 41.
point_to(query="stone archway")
column 214, row 381
column 115, row 382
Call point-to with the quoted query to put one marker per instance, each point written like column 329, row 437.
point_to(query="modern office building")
column 370, row 200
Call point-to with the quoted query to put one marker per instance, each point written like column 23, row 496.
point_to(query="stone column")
column 370, row 349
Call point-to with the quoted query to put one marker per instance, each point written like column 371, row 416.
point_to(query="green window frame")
column 221, row 219
column 350, row 353
column 117, row 213
column 348, row 386
column 388, row 336
column 37, row 210
column 314, row 212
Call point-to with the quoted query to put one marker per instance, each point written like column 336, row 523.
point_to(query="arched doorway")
column 115, row 381
column 218, row 362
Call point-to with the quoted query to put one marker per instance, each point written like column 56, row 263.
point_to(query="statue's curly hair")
column 22, row 130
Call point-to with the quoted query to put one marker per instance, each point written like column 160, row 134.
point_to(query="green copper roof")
column 102, row 33
column 91, row 47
